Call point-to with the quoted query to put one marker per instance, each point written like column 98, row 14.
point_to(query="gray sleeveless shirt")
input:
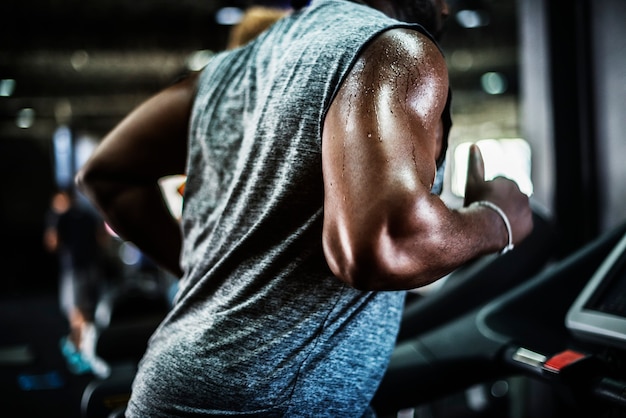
column 260, row 326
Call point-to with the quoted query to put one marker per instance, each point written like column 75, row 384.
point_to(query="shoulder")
column 401, row 60
column 404, row 49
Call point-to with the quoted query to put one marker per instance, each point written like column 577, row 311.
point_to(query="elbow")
column 384, row 261
column 94, row 185
column 81, row 180
column 85, row 181
column 351, row 271
column 341, row 259
column 366, row 265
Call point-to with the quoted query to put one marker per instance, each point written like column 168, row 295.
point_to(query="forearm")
column 121, row 177
column 139, row 214
column 411, row 249
column 383, row 229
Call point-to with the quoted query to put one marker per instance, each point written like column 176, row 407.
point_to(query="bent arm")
column 383, row 229
column 121, row 177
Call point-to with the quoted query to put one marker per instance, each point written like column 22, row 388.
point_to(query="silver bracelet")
column 500, row 212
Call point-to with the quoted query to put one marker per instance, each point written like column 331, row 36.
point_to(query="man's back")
column 261, row 325
column 260, row 319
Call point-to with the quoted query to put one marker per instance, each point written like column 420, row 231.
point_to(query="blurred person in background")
column 314, row 158
column 77, row 234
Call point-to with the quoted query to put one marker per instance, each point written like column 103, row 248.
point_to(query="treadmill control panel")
column 599, row 312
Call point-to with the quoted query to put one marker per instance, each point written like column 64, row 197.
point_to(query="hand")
column 501, row 191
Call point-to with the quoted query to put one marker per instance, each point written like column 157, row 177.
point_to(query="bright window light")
column 7, row 87
column 129, row 254
column 229, row 15
column 494, row 83
column 470, row 19
column 25, row 118
column 83, row 149
column 63, row 170
column 79, row 59
column 509, row 158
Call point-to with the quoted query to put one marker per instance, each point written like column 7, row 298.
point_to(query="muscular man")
column 313, row 157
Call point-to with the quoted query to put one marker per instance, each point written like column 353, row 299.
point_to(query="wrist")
column 507, row 224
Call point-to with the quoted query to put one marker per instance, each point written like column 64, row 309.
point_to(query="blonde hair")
column 255, row 20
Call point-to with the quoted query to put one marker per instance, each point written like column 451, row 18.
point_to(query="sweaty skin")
column 383, row 229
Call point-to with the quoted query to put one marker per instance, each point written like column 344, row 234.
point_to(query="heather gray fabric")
column 260, row 326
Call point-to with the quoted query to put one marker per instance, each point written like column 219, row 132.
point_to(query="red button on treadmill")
column 559, row 361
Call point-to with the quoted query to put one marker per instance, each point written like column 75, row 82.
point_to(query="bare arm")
column 121, row 177
column 383, row 229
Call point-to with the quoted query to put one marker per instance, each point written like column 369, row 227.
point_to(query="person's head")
column 61, row 201
column 431, row 14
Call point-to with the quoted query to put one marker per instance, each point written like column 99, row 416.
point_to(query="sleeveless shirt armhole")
column 416, row 27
